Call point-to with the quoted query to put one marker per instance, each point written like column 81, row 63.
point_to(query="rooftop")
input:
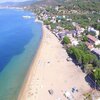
column 92, row 38
column 97, row 51
column 89, row 45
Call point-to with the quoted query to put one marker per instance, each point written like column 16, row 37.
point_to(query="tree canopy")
column 97, row 75
column 66, row 40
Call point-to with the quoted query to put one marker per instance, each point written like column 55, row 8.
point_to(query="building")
column 79, row 29
column 92, row 30
column 75, row 43
column 89, row 46
column 96, row 51
column 63, row 33
column 93, row 40
column 74, row 33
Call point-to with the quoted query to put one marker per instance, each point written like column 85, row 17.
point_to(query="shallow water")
column 19, row 40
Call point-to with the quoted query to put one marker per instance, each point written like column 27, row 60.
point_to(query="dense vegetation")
column 66, row 40
column 88, row 61
column 86, row 19
column 97, row 75
column 84, row 58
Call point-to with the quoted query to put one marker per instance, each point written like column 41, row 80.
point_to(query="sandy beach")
column 51, row 71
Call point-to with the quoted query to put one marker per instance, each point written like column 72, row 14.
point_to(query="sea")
column 19, row 40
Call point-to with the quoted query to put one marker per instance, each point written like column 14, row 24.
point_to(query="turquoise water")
column 19, row 40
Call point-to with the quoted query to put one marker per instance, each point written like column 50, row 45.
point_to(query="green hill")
column 90, row 5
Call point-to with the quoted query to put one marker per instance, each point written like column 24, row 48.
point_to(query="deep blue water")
column 19, row 40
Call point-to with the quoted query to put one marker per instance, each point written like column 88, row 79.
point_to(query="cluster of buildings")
column 75, row 34
column 93, row 43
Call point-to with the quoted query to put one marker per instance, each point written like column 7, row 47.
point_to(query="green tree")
column 98, row 63
column 66, row 40
column 68, row 26
column 96, row 26
column 46, row 22
column 78, row 55
column 85, row 58
column 97, row 75
column 88, row 68
column 95, row 61
column 75, row 52
column 53, row 25
column 85, row 38
column 83, row 47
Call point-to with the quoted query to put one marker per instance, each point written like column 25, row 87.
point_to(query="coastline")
column 16, row 62
column 50, row 70
column 31, row 68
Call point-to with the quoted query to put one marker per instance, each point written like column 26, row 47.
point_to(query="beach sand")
column 51, row 71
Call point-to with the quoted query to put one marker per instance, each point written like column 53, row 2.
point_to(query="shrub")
column 66, row 40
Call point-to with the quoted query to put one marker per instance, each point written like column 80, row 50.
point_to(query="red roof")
column 89, row 45
column 92, row 38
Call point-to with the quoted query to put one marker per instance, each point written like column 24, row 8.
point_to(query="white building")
column 97, row 42
column 75, row 43
column 91, row 29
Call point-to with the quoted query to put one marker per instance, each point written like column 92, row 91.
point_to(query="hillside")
column 88, row 5
column 24, row 3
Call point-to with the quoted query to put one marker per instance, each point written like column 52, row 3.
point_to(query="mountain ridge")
column 23, row 3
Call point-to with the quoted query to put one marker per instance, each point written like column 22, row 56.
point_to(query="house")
column 98, row 20
column 96, row 51
column 63, row 33
column 79, row 30
column 75, row 43
column 89, row 46
column 69, row 19
column 93, row 40
column 64, row 16
column 61, row 36
column 59, row 28
column 74, row 33
column 92, row 30
column 53, row 20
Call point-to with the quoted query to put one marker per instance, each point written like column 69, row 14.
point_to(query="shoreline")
column 50, row 70
column 31, row 69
